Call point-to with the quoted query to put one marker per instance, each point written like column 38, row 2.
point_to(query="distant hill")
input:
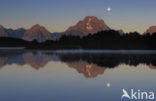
column 151, row 30
column 38, row 33
column 56, row 35
column 3, row 32
column 18, row 33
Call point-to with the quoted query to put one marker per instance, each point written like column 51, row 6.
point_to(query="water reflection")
column 36, row 60
column 88, row 70
column 89, row 64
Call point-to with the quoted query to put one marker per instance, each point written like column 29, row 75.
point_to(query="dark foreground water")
column 74, row 76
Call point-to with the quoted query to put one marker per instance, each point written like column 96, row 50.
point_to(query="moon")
column 108, row 84
column 109, row 9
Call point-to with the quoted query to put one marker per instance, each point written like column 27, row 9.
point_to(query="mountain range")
column 89, row 25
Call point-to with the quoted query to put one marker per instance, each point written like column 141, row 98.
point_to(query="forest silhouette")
column 110, row 39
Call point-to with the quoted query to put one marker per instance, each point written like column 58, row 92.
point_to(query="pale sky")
column 58, row 15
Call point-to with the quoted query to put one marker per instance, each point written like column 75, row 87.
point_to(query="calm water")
column 75, row 76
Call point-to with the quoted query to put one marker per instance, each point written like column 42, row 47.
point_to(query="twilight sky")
column 58, row 15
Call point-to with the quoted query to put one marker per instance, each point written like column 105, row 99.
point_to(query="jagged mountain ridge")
column 18, row 33
column 89, row 25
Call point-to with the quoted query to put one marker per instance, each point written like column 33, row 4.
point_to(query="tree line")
column 102, row 40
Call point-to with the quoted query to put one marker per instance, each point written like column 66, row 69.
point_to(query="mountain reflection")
column 36, row 60
column 89, row 64
column 88, row 70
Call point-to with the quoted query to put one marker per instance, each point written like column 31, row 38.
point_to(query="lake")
column 79, row 75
